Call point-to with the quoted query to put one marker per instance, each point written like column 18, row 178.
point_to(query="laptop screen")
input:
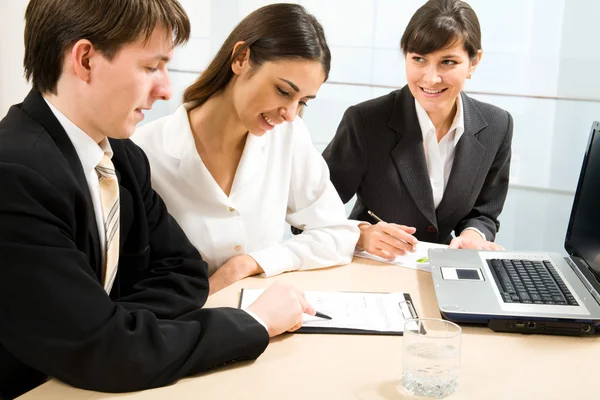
column 583, row 234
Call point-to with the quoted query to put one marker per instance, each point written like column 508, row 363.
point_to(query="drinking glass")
column 431, row 357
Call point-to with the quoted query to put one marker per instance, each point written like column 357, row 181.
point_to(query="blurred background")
column 541, row 61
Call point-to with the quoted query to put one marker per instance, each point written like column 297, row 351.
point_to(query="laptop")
column 531, row 292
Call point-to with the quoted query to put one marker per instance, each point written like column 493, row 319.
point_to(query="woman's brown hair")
column 271, row 33
column 439, row 24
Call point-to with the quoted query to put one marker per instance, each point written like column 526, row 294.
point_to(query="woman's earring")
column 469, row 75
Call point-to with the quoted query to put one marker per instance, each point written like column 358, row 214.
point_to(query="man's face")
column 119, row 89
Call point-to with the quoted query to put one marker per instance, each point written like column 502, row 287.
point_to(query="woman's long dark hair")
column 272, row 33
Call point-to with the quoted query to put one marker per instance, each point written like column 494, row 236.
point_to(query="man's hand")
column 469, row 239
column 233, row 270
column 281, row 307
column 387, row 240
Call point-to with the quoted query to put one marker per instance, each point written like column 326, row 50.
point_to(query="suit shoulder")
column 377, row 107
column 490, row 111
column 25, row 141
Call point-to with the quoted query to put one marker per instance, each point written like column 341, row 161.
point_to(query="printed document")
column 383, row 312
column 417, row 260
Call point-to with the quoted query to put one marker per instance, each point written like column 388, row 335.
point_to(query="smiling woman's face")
column 274, row 92
column 436, row 79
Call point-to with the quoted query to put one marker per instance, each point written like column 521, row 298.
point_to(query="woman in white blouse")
column 235, row 162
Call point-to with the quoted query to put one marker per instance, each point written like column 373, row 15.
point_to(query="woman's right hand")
column 387, row 240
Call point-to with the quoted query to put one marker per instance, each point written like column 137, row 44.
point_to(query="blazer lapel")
column 35, row 105
column 409, row 155
column 468, row 158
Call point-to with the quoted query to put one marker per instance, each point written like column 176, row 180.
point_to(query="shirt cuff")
column 275, row 260
column 476, row 230
column 357, row 248
column 260, row 321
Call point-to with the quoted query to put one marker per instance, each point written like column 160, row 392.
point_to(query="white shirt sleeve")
column 314, row 206
column 260, row 321
column 476, row 230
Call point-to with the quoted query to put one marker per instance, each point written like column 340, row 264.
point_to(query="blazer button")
column 238, row 248
column 431, row 229
column 231, row 209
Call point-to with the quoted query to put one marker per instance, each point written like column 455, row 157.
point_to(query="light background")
column 541, row 62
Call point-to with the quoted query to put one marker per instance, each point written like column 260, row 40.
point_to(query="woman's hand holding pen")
column 387, row 240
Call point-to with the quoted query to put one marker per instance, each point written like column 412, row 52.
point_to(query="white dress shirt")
column 440, row 155
column 90, row 153
column 280, row 177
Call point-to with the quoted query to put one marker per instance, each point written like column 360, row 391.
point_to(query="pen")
column 372, row 214
column 321, row 315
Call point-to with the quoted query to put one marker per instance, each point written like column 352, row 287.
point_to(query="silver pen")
column 372, row 214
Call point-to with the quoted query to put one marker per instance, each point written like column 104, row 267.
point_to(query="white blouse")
column 280, row 177
column 440, row 155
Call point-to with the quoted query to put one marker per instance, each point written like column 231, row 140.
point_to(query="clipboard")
column 355, row 313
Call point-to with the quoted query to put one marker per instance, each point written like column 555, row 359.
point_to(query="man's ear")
column 242, row 62
column 80, row 59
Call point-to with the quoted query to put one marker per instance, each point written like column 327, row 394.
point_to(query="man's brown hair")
column 53, row 26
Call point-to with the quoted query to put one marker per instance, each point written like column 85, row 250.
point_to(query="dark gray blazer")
column 377, row 154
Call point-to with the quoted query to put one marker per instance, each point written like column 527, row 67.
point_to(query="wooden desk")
column 309, row 366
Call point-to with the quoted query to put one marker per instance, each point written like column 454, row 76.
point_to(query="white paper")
column 417, row 260
column 384, row 312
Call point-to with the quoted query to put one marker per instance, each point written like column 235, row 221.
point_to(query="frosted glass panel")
column 199, row 13
column 534, row 220
column 193, row 56
column 361, row 60
column 346, row 22
column 540, row 63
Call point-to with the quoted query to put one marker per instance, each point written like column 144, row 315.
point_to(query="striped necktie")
column 109, row 198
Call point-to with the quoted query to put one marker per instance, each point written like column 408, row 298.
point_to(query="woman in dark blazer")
column 427, row 158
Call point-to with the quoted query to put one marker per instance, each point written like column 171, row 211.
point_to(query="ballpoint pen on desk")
column 321, row 315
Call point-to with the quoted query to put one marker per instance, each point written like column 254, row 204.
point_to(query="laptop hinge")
column 583, row 279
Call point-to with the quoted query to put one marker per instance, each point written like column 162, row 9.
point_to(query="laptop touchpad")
column 461, row 274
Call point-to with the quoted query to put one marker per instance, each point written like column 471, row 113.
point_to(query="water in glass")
column 431, row 369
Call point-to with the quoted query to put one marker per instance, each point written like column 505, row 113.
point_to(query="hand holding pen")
column 281, row 308
column 387, row 240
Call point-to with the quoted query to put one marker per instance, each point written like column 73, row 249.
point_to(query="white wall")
column 540, row 63
column 13, row 87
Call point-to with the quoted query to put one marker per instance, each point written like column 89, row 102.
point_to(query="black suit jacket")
column 55, row 317
column 377, row 154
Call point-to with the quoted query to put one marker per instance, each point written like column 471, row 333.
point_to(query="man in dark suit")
column 99, row 286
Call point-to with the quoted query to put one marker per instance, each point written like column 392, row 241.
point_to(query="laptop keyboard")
column 530, row 282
